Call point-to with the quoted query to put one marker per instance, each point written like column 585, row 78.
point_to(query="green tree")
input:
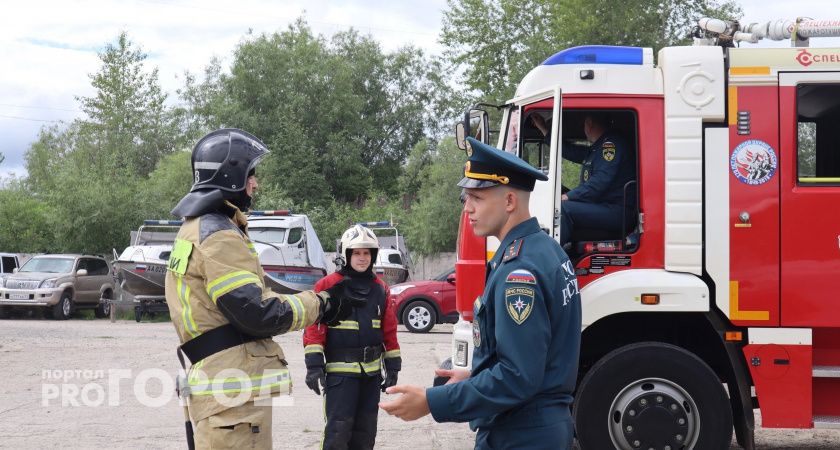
column 432, row 223
column 337, row 114
column 26, row 227
column 128, row 128
column 167, row 184
column 93, row 174
column 497, row 42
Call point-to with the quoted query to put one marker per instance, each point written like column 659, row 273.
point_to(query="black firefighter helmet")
column 224, row 158
column 221, row 163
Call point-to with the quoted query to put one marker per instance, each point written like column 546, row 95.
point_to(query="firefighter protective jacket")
column 373, row 325
column 214, row 278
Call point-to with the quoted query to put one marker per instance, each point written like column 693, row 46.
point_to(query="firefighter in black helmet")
column 222, row 311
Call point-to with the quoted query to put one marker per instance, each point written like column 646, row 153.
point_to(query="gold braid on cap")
column 484, row 176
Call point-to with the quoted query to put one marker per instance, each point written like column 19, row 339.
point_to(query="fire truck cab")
column 719, row 292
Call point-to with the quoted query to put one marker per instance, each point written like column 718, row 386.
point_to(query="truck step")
column 826, row 372
column 827, row 422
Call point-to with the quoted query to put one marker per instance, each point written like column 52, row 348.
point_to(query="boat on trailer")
column 289, row 250
column 141, row 267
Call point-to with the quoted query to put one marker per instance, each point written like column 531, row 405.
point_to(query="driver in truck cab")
column 607, row 164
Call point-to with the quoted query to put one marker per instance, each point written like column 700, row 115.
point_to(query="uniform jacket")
column 214, row 278
column 526, row 335
column 374, row 325
column 605, row 167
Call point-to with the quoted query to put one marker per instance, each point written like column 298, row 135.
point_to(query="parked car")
column 8, row 264
column 59, row 285
column 422, row 304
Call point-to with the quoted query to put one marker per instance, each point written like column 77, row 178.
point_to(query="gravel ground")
column 79, row 384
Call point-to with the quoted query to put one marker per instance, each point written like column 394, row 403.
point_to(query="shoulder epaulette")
column 213, row 222
column 513, row 250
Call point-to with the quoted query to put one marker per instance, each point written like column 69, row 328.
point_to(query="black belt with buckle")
column 356, row 354
column 214, row 341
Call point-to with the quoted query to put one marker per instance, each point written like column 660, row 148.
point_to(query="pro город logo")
column 753, row 162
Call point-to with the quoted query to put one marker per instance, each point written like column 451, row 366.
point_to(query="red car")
column 422, row 304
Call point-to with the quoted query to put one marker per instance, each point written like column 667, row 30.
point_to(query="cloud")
column 49, row 48
column 60, row 45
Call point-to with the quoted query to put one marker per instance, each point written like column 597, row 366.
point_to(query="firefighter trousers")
column 243, row 427
column 351, row 409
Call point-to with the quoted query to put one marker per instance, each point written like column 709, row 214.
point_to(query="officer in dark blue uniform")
column 526, row 323
column 598, row 201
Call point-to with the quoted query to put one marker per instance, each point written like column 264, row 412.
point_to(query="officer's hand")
column 390, row 379
column 451, row 376
column 314, row 376
column 411, row 405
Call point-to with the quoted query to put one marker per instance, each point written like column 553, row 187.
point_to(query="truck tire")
column 138, row 314
column 419, row 316
column 103, row 309
column 64, row 308
column 4, row 312
column 652, row 395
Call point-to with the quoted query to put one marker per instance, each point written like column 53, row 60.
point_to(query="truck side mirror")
column 476, row 124
column 14, row 270
column 81, row 272
column 460, row 136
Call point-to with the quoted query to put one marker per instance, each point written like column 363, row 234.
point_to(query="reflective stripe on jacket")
column 373, row 325
column 216, row 248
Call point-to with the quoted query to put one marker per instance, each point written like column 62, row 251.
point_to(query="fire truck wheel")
column 652, row 395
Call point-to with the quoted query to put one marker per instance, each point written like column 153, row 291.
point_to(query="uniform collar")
column 599, row 140
column 240, row 219
column 529, row 226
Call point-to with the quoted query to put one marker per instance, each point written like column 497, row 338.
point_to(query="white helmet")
column 357, row 236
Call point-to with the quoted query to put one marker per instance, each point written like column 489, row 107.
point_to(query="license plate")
column 18, row 296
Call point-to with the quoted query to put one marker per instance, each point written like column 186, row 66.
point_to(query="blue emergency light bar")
column 174, row 223
column 384, row 223
column 597, row 54
column 276, row 212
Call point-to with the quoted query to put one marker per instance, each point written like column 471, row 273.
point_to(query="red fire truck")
column 721, row 293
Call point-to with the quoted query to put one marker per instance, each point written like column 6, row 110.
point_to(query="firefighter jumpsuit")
column 212, row 262
column 354, row 351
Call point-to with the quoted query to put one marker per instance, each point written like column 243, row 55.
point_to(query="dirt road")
column 94, row 384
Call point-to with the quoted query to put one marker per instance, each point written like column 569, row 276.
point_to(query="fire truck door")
column 543, row 152
column 809, row 138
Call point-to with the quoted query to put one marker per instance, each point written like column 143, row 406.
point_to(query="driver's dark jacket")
column 606, row 167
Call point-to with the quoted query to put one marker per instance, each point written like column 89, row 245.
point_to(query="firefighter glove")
column 314, row 376
column 390, row 379
column 340, row 303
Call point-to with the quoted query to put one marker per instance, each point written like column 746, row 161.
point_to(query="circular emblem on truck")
column 753, row 162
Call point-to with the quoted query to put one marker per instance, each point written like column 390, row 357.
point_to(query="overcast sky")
column 48, row 48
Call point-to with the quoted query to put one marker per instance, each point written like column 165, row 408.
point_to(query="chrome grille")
column 22, row 284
